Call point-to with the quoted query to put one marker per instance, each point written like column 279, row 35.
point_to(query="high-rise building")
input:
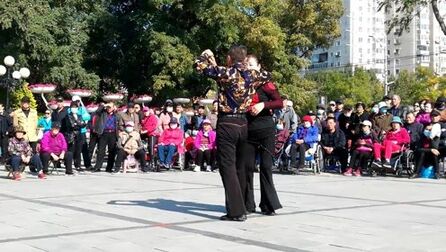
column 362, row 42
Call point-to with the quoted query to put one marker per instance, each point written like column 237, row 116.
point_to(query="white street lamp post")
column 10, row 78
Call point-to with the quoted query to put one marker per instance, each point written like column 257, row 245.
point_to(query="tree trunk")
column 438, row 16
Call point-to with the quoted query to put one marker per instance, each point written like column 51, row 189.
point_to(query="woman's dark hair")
column 238, row 53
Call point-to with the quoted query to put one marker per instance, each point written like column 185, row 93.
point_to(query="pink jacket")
column 150, row 124
column 53, row 144
column 400, row 137
column 212, row 138
column 171, row 136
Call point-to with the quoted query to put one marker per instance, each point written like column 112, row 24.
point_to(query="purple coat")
column 212, row 138
column 423, row 118
column 53, row 144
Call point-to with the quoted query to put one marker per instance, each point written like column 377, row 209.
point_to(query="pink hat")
column 206, row 121
column 145, row 109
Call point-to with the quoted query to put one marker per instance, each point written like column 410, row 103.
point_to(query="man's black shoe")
column 228, row 218
column 251, row 211
column 96, row 170
column 269, row 213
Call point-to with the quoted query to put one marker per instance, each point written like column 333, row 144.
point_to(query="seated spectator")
column 429, row 152
column 362, row 150
column 54, row 147
column 44, row 122
column 414, row 129
column 392, row 143
column 21, row 152
column 169, row 142
column 190, row 151
column 303, row 139
column 424, row 116
column 282, row 135
column 333, row 143
column 129, row 143
column 204, row 145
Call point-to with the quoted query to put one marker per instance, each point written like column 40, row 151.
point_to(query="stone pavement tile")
column 75, row 243
column 18, row 247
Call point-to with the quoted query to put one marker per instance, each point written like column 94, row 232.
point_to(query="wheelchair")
column 402, row 162
column 328, row 163
column 311, row 160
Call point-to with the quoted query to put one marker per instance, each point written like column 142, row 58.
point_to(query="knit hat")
column 307, row 118
column 397, row 119
column 173, row 120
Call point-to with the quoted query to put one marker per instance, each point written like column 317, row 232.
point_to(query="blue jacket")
column 44, row 124
column 310, row 135
column 82, row 113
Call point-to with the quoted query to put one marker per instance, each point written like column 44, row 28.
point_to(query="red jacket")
column 150, row 124
column 171, row 136
column 400, row 137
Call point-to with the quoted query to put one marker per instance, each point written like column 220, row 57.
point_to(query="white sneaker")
column 208, row 168
column 197, row 168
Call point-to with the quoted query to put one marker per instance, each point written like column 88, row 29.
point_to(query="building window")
column 360, row 38
column 397, row 71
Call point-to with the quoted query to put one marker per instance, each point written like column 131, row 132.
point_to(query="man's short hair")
column 331, row 118
column 238, row 53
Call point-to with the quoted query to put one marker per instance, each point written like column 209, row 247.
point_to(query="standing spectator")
column 414, row 129
column 198, row 118
column 107, row 130
column 345, row 122
column 440, row 105
column 26, row 117
column 129, row 116
column 150, row 131
column 139, row 112
column 392, row 143
column 60, row 112
column 397, row 109
column 358, row 117
column 129, row 143
column 388, row 100
column 76, row 122
column 424, row 117
column 289, row 116
column 5, row 129
column 339, row 108
column 94, row 137
column 362, row 150
column 166, row 115
column 86, row 117
column 382, row 121
column 333, row 143
column 213, row 115
column 21, row 152
column 416, row 108
column 169, row 142
column 302, row 140
column 44, row 122
column 53, row 146
column 204, row 144
column 181, row 117
column 331, row 107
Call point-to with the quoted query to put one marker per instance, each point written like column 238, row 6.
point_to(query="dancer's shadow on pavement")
column 185, row 207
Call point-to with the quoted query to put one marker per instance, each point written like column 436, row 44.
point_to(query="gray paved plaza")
column 178, row 211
